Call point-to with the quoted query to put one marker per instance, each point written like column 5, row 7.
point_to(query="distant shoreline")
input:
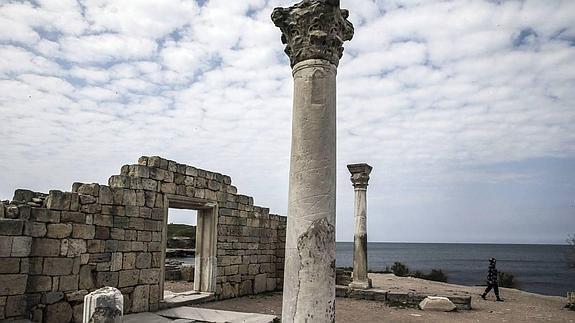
column 468, row 243
column 536, row 268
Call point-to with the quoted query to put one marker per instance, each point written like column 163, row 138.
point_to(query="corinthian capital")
column 313, row 29
column 359, row 174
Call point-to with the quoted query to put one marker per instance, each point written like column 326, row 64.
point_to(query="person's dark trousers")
column 495, row 289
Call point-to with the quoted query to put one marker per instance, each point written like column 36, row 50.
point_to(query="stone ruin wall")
column 55, row 248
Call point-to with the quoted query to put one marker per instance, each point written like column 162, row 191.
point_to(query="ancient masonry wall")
column 57, row 247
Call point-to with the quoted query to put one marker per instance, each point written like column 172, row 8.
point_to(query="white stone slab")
column 186, row 298
column 437, row 303
column 208, row 315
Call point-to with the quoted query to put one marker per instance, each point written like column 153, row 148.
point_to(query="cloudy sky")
column 466, row 109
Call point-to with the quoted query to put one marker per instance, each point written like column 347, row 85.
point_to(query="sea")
column 539, row 269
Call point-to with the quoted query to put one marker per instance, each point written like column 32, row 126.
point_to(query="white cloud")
column 15, row 59
column 186, row 58
column 89, row 75
column 144, row 18
column 427, row 90
column 106, row 48
column 47, row 84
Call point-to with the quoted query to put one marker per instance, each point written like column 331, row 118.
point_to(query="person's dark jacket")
column 492, row 274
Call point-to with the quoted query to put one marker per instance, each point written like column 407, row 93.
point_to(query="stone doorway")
column 180, row 251
column 205, row 263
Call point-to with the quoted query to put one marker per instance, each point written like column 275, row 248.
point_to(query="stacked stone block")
column 251, row 246
column 56, row 248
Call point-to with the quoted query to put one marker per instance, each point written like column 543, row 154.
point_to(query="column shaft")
column 309, row 277
column 359, row 179
column 360, row 239
column 313, row 32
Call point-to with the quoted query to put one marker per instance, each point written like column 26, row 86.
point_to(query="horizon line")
column 487, row 243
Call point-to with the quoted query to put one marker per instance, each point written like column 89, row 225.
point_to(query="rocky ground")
column 519, row 306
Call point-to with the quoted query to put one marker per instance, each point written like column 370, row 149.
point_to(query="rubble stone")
column 58, row 312
column 9, row 265
column 87, row 277
column 10, row 227
column 23, row 196
column 59, row 230
column 45, row 247
column 12, row 284
column 21, row 246
column 141, row 298
column 45, row 215
column 58, row 200
column 35, row 229
column 58, row 266
column 16, row 305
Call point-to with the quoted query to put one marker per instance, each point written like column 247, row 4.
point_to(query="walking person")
column 492, row 280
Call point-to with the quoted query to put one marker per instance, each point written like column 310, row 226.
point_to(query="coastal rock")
column 437, row 303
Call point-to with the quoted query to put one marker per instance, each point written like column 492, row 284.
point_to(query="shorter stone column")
column 105, row 305
column 360, row 178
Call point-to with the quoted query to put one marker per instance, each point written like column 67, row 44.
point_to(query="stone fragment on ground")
column 437, row 303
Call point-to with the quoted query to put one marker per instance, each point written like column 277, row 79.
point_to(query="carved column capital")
column 313, row 29
column 359, row 175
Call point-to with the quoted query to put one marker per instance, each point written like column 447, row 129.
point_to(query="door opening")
column 183, row 213
column 180, row 251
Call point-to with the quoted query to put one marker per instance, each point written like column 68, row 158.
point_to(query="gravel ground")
column 519, row 306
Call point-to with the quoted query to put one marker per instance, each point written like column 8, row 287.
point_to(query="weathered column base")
column 361, row 284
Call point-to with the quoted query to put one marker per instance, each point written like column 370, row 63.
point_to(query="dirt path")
column 519, row 306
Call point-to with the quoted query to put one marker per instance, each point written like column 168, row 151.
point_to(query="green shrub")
column 435, row 275
column 399, row 269
column 506, row 280
column 385, row 271
column 418, row 274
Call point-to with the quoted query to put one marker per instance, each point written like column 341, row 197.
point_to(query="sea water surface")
column 537, row 268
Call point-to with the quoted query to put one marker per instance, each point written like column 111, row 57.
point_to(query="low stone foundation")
column 411, row 300
column 342, row 277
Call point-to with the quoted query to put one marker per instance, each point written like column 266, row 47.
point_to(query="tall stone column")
column 314, row 32
column 360, row 178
